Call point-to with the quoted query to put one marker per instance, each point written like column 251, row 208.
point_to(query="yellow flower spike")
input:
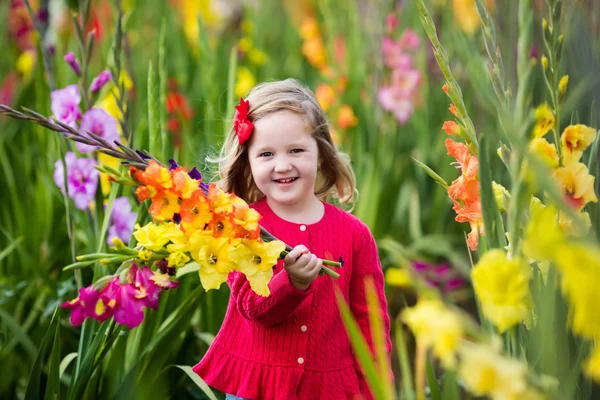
column 574, row 140
column 309, row 29
column 466, row 16
column 579, row 264
column 485, row 371
column 545, row 150
column 435, row 325
column 214, row 261
column 542, row 235
column 152, row 236
column 398, row 277
column 568, row 225
column 544, row 120
column 577, row 184
column 544, row 62
column 562, row 85
column 592, row 365
column 502, row 287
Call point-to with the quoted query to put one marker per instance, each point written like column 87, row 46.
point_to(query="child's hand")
column 302, row 267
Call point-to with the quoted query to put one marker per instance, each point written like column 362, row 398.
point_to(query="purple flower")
column 101, row 80
column 82, row 179
column 98, row 122
column 131, row 309
column 123, row 220
column 73, row 63
column 65, row 105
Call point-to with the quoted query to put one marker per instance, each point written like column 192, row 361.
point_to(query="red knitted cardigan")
column 293, row 344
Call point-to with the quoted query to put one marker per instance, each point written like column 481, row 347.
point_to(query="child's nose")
column 282, row 164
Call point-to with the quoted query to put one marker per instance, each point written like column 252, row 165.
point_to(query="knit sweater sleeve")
column 273, row 309
column 366, row 263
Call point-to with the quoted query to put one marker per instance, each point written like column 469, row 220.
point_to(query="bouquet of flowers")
column 192, row 220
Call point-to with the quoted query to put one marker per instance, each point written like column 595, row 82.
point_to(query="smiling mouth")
column 287, row 180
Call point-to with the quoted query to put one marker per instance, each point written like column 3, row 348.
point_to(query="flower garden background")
column 472, row 129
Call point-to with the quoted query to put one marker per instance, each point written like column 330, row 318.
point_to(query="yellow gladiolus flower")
column 245, row 81
column 25, row 64
column 256, row 260
column 592, row 365
column 435, row 325
column 502, row 287
column 577, row 184
column 398, row 277
column 154, row 237
column 580, row 267
column 542, row 234
column 309, row 28
column 568, row 225
column 257, row 57
column 544, row 120
column 214, row 261
column 545, row 151
column 574, row 140
column 177, row 259
column 485, row 371
column 314, row 50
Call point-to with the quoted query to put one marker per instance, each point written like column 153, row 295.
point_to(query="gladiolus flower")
column 82, row 179
column 65, row 105
column 574, row 140
column 326, row 96
column 73, row 63
column 502, row 286
column 98, row 122
column 545, row 151
column 453, row 110
column 102, row 79
column 577, row 183
column 346, row 117
column 436, row 326
column 544, row 121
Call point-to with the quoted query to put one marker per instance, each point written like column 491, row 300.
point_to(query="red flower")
column 243, row 127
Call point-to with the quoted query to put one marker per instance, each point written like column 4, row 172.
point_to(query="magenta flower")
column 65, row 105
column 440, row 276
column 82, row 179
column 82, row 304
column 145, row 288
column 131, row 308
column 102, row 79
column 123, row 220
column 98, row 122
column 73, row 63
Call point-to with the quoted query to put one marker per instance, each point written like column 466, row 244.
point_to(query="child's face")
column 284, row 159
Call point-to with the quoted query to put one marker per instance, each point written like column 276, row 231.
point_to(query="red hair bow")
column 243, row 127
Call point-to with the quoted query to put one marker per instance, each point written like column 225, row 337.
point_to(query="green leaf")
column 361, row 349
column 434, row 386
column 64, row 364
column 230, row 86
column 188, row 268
column 405, row 369
column 450, row 389
column 53, row 383
column 198, row 381
column 431, row 173
column 162, row 88
column 19, row 333
column 10, row 247
column 153, row 114
column 34, row 384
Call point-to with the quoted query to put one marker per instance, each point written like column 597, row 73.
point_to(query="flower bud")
column 544, row 62
column 99, row 81
column 562, row 85
column 73, row 63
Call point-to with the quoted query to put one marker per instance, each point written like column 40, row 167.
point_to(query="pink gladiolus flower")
column 82, row 179
column 393, row 100
column 98, row 122
column 406, row 82
column 394, row 55
column 440, row 276
column 131, row 308
column 102, row 79
column 409, row 40
column 65, row 105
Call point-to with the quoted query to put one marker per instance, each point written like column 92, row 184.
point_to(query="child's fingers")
column 295, row 253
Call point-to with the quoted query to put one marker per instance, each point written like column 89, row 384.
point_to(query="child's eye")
column 297, row 150
column 265, row 154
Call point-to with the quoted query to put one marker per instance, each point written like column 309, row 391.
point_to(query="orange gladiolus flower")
column 451, row 128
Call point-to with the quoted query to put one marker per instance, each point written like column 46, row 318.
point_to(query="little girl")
column 279, row 156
